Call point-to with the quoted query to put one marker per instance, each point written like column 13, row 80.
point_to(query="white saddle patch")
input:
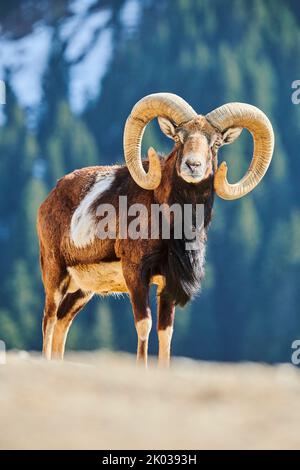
column 84, row 223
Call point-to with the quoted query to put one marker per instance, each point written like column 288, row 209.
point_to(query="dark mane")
column 182, row 268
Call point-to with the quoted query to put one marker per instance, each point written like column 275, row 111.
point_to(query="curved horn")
column 253, row 119
column 151, row 106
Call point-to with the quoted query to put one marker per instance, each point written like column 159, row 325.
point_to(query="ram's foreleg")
column 165, row 322
column 139, row 296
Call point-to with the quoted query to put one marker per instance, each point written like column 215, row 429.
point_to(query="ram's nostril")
column 193, row 165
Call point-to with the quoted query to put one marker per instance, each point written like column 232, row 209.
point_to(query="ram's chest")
column 103, row 278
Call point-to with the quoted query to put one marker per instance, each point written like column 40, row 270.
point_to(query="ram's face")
column 197, row 143
column 195, row 160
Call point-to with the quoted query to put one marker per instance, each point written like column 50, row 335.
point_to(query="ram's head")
column 198, row 139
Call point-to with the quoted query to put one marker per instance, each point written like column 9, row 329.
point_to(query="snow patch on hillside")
column 78, row 7
column 130, row 14
column 25, row 60
column 86, row 76
column 88, row 37
column 88, row 52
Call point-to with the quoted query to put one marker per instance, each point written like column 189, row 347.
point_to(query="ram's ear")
column 230, row 135
column 167, row 127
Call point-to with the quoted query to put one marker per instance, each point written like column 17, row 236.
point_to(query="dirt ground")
column 103, row 401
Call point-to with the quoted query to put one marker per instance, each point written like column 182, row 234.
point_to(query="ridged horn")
column 158, row 104
column 257, row 123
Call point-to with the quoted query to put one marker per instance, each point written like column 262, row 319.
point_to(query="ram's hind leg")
column 165, row 322
column 68, row 309
column 55, row 288
column 51, row 304
column 55, row 280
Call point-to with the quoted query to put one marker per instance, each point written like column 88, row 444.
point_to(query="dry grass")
column 103, row 401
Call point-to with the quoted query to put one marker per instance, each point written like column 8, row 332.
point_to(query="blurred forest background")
column 73, row 71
